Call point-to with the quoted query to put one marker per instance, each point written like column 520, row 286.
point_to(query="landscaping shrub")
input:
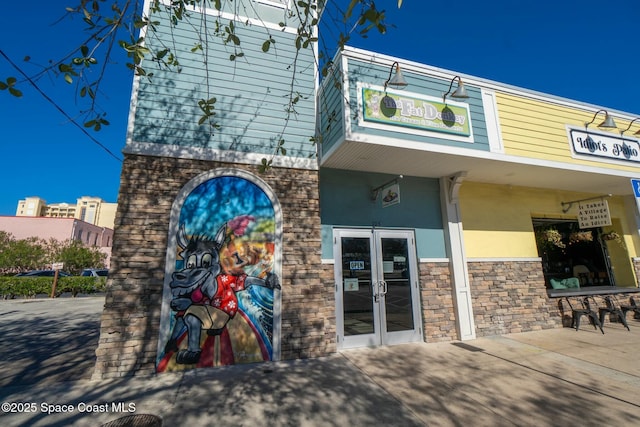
column 30, row 287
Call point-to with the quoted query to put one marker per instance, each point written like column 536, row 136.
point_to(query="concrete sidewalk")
column 543, row 378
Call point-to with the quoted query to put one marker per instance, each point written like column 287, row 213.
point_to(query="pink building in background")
column 59, row 229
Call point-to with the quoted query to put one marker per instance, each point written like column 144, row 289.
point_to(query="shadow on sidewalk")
column 48, row 341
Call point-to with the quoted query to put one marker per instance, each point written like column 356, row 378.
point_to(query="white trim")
column 460, row 282
column 508, row 259
column 415, row 67
column 238, row 18
column 485, row 155
column 492, row 120
column 210, row 154
column 328, row 261
column 425, row 260
column 275, row 3
column 336, row 145
column 346, row 99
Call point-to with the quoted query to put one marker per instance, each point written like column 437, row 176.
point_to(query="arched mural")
column 221, row 296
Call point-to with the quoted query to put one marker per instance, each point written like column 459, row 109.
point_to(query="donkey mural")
column 204, row 296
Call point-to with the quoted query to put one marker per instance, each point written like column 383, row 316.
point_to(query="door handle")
column 384, row 287
column 381, row 290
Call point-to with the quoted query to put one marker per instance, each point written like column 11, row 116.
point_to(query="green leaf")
column 265, row 166
column 68, row 78
column 265, row 46
column 349, row 11
column 15, row 92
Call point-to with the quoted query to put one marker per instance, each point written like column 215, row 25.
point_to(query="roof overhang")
column 435, row 161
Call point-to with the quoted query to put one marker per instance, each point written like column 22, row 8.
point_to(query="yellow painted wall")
column 497, row 222
column 536, row 129
column 618, row 253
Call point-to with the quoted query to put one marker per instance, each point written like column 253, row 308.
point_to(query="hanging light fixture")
column 629, row 127
column 608, row 122
column 459, row 93
column 398, row 81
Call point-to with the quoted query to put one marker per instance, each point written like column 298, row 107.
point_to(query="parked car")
column 95, row 272
column 50, row 273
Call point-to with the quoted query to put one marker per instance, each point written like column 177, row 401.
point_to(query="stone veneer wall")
column 510, row 296
column 438, row 314
column 131, row 317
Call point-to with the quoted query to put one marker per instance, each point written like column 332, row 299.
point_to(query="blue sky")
column 579, row 49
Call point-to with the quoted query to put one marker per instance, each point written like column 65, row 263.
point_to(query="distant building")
column 92, row 210
column 59, row 229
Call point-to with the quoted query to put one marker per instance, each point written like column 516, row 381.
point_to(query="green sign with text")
column 415, row 112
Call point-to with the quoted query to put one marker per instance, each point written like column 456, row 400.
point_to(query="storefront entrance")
column 377, row 298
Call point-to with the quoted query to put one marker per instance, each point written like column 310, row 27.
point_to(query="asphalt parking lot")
column 45, row 340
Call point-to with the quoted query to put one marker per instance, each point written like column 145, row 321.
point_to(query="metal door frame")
column 380, row 335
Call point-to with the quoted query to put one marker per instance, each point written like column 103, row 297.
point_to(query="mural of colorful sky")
column 232, row 221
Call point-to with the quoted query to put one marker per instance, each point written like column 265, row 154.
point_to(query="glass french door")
column 377, row 301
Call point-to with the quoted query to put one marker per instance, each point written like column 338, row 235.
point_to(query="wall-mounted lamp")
column 398, row 81
column 460, row 92
column 608, row 122
column 629, row 127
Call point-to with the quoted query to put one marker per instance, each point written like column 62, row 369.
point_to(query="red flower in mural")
column 239, row 224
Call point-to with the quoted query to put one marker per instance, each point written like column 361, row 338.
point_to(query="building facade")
column 61, row 229
column 422, row 218
column 492, row 189
column 92, row 210
column 215, row 261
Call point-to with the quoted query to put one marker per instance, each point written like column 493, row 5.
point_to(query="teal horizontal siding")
column 252, row 94
column 365, row 72
column 331, row 112
column 345, row 197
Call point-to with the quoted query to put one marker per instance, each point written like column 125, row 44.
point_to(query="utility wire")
column 45, row 96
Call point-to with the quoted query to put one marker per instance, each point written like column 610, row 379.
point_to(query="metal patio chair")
column 585, row 310
column 611, row 308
